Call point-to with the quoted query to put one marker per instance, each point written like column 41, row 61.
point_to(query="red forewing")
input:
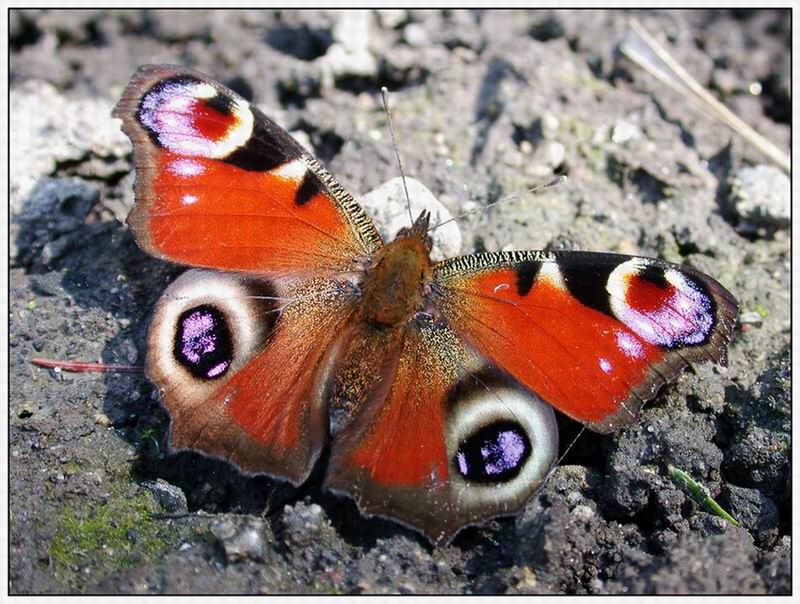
column 593, row 334
column 220, row 185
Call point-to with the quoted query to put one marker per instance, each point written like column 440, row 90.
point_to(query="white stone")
column 549, row 125
column 387, row 207
column 392, row 17
column 48, row 128
column 553, row 154
column 350, row 53
column 352, row 29
column 624, row 131
column 415, row 35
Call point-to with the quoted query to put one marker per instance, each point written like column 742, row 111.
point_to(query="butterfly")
column 427, row 387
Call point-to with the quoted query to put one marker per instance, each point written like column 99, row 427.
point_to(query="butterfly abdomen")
column 395, row 282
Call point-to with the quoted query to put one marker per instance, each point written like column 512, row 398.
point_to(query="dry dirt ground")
column 486, row 104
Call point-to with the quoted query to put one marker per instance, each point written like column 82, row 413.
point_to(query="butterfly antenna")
column 385, row 97
column 550, row 183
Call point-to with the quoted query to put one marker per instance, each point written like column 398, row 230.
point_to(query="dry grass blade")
column 641, row 48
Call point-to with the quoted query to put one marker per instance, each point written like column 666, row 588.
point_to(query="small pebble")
column 242, row 538
column 751, row 318
column 171, row 497
column 583, row 512
column 573, row 498
column 101, row 419
column 392, row 17
column 553, row 154
column 415, row 35
column 549, row 124
column 350, row 53
column 624, row 131
column 725, row 81
column 470, row 206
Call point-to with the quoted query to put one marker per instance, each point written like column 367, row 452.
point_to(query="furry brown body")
column 398, row 278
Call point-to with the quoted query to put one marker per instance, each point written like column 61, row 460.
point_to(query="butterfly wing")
column 593, row 334
column 240, row 364
column 442, row 440
column 220, row 185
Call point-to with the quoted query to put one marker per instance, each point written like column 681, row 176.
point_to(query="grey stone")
column 761, row 195
column 755, row 511
column 51, row 217
column 171, row 497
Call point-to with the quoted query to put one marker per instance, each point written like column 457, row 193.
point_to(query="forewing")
column 220, row 185
column 240, row 364
column 443, row 440
column 593, row 334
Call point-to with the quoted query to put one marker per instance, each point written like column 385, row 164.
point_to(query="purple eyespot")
column 494, row 453
column 203, row 342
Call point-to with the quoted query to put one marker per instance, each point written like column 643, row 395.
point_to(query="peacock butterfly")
column 430, row 383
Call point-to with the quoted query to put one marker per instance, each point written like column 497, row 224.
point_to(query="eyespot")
column 206, row 326
column 661, row 305
column 494, row 453
column 502, row 441
column 203, row 342
column 191, row 117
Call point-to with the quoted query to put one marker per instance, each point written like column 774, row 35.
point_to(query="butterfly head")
column 419, row 230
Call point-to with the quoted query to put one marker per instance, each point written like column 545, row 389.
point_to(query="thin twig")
column 86, row 367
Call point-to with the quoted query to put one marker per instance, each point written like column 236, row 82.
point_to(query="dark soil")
column 486, row 104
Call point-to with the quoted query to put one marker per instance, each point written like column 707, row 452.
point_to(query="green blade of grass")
column 696, row 492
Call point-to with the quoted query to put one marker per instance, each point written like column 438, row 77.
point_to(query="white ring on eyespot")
column 617, row 284
column 503, row 402
column 194, row 288
column 204, row 90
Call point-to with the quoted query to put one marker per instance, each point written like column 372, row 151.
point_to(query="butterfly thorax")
column 398, row 278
